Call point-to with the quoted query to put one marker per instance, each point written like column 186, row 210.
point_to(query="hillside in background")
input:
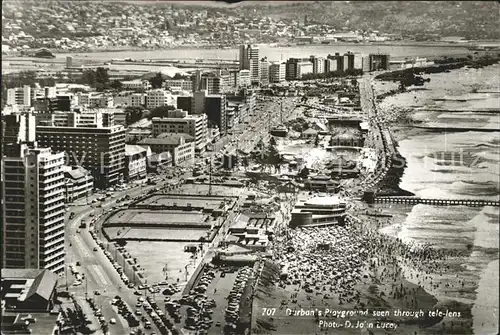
column 470, row 19
column 50, row 18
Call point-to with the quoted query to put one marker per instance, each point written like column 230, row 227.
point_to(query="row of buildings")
column 264, row 72
column 57, row 155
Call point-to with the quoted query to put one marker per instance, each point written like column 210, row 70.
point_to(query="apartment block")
column 212, row 83
column 159, row 97
column 352, row 61
column 179, row 122
column 183, row 84
column 80, row 118
column 318, row 64
column 17, row 129
column 94, row 100
column 330, row 65
column 129, row 99
column 136, row 84
column 292, row 71
column 249, row 60
column 277, row 72
column 378, row 62
column 264, row 71
column 33, row 199
column 304, row 68
column 99, row 149
column 244, row 78
column 180, row 146
column 339, row 59
column 20, row 96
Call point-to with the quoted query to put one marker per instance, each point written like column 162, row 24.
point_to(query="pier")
column 438, row 202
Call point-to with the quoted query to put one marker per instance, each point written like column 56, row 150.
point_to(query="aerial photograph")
column 250, row 167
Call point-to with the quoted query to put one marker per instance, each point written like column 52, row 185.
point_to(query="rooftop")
column 167, row 139
column 131, row 150
column 324, row 201
column 37, row 282
column 75, row 172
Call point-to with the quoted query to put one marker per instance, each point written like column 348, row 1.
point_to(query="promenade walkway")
column 439, row 202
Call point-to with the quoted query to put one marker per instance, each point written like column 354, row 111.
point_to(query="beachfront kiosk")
column 318, row 211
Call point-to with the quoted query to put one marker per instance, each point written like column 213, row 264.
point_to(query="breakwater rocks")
column 408, row 75
column 389, row 185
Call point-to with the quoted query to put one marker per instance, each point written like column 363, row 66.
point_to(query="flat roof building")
column 99, row 149
column 277, row 72
column 180, row 122
column 136, row 162
column 319, row 211
column 79, row 183
column 180, row 146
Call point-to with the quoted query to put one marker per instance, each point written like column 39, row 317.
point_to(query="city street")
column 100, row 275
column 268, row 116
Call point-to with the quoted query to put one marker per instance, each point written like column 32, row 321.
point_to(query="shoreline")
column 484, row 321
column 390, row 185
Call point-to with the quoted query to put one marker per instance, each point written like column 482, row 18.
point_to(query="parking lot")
column 214, row 304
column 155, row 257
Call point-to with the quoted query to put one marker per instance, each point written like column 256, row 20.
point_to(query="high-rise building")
column 198, row 102
column 233, row 79
column 179, row 121
column 212, row 82
column 291, row 72
column 318, row 64
column 33, row 196
column 264, row 71
column 358, row 61
column 330, row 65
column 249, row 60
column 303, row 68
column 352, row 61
column 277, row 72
column 244, row 78
column 197, row 81
column 215, row 108
column 340, row 61
column 20, row 96
column 98, row 149
column 291, row 68
column 17, row 129
column 378, row 62
column 366, row 64
column 185, row 102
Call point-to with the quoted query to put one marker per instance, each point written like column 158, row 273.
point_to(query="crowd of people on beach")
column 331, row 261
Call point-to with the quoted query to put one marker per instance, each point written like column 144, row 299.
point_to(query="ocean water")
column 278, row 53
column 455, row 165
